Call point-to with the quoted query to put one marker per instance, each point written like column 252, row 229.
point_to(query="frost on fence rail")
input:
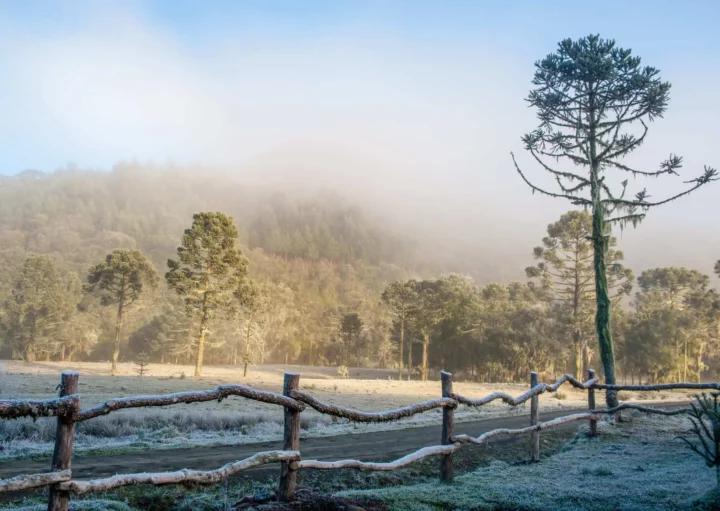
column 180, row 476
column 29, row 481
column 536, row 390
column 220, row 393
column 646, row 409
column 435, row 450
column 523, row 431
column 57, row 407
column 661, row 386
column 360, row 416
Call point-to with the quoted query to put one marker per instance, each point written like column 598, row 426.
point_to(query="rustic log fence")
column 66, row 408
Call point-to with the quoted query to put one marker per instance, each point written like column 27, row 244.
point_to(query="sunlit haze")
column 410, row 109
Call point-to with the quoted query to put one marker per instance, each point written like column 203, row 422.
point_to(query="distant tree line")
column 218, row 307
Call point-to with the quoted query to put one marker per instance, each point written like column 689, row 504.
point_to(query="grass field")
column 235, row 420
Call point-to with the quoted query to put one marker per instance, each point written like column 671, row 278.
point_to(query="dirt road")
column 379, row 446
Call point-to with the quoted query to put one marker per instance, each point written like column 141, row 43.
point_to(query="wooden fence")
column 68, row 412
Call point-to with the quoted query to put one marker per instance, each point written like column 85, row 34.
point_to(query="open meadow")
column 237, row 420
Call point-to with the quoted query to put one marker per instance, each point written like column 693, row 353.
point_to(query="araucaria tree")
column 209, row 267
column 594, row 103
column 120, row 280
column 565, row 278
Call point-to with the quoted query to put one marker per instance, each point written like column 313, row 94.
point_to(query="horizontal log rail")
column 360, row 416
column 35, row 408
column 660, row 386
column 435, row 450
column 218, row 394
column 184, row 476
column 523, row 431
column 646, row 409
column 30, row 481
column 534, row 391
column 67, row 410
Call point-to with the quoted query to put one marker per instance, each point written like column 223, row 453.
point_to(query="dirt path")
column 377, row 446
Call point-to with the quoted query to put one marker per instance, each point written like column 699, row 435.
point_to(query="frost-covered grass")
column 638, row 466
column 234, row 420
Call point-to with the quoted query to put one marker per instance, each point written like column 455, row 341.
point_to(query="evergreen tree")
column 36, row 309
column 251, row 304
column 209, row 267
column 351, row 330
column 565, row 274
column 589, row 95
column 679, row 297
column 120, row 280
column 400, row 298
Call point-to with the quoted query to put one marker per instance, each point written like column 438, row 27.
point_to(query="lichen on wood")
column 57, row 407
column 360, row 416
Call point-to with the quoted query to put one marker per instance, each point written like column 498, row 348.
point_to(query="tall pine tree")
column 120, row 280
column 594, row 102
column 565, row 276
column 209, row 267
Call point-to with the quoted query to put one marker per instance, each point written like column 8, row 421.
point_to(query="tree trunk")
column 699, row 367
column 201, row 347
column 410, row 366
column 402, row 346
column 426, row 343
column 246, row 356
column 116, row 344
column 685, row 365
column 578, row 348
column 236, row 349
column 602, row 294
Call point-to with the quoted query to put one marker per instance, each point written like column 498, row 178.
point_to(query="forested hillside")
column 316, row 256
column 276, row 276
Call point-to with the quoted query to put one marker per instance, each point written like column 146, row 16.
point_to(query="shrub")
column 624, row 395
column 343, row 372
column 561, row 395
column 705, row 418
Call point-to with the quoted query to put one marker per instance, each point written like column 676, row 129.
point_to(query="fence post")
column 291, row 441
column 591, row 403
column 534, row 419
column 64, row 438
column 448, row 428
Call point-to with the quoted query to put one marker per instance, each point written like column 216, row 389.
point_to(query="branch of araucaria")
column 574, row 199
column 710, row 174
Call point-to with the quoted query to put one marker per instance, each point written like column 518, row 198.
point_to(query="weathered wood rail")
column 294, row 401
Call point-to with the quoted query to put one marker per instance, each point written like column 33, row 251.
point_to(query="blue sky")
column 422, row 100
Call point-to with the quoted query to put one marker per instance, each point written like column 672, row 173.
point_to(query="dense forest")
column 190, row 265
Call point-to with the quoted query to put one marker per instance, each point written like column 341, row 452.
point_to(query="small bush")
column 624, row 395
column 561, row 395
column 343, row 372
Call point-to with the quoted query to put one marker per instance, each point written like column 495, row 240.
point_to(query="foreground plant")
column 705, row 418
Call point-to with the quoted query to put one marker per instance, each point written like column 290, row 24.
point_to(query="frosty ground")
column 234, row 420
column 637, row 465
